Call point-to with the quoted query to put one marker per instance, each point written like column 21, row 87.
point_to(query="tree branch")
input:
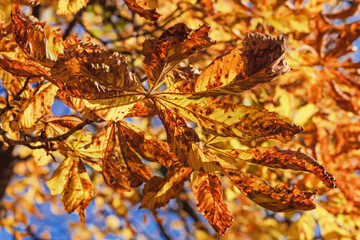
column 28, row 140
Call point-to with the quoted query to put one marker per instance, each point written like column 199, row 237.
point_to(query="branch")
column 162, row 229
column 43, row 139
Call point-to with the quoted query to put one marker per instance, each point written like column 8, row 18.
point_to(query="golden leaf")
column 173, row 46
column 185, row 143
column 24, row 69
column 258, row 59
column 29, row 34
column 158, row 191
column 149, row 147
column 208, row 197
column 109, row 109
column 278, row 158
column 87, row 72
column 70, row 6
column 135, row 166
column 77, row 193
column 35, row 107
column 141, row 8
column 278, row 199
column 234, row 120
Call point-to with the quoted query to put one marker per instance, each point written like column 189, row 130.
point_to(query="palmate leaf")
column 278, row 158
column 72, row 181
column 147, row 146
column 185, row 143
column 158, row 191
column 122, row 171
column 208, row 197
column 258, row 59
column 173, row 46
column 278, row 199
column 229, row 120
column 140, row 7
column 35, row 107
column 30, row 36
column 85, row 71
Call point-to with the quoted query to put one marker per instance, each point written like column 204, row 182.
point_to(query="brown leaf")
column 234, row 120
column 278, row 158
column 147, row 146
column 144, row 108
column 258, row 59
column 278, row 199
column 344, row 13
column 68, row 121
column 137, row 168
column 173, row 46
column 29, row 34
column 158, row 191
column 115, row 173
column 140, row 7
column 70, row 6
column 185, row 142
column 208, row 197
column 87, row 72
column 24, row 69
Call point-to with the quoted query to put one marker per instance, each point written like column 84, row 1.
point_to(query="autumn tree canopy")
column 237, row 119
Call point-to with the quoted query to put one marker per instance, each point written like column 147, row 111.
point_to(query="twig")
column 161, row 227
column 28, row 140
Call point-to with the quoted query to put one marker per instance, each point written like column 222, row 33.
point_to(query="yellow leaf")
column 305, row 113
column 70, row 6
column 35, row 107
column 258, row 59
column 158, row 191
column 60, row 177
column 208, row 197
column 303, row 228
column 230, row 120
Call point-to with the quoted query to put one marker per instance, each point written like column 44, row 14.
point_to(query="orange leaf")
column 277, row 158
column 173, row 46
column 278, row 199
column 258, row 59
column 234, row 120
column 185, row 142
column 208, row 197
column 24, row 69
column 87, row 72
column 158, row 191
column 137, row 168
column 141, row 8
column 149, row 147
column 116, row 174
column 29, row 34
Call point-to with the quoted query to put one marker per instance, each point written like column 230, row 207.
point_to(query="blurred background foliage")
column 321, row 94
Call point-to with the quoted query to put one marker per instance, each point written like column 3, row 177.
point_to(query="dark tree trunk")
column 7, row 163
